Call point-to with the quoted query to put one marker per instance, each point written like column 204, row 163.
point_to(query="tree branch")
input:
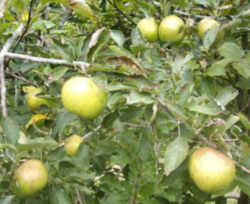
column 82, row 65
column 3, row 52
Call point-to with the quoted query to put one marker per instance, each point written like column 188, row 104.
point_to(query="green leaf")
column 210, row 37
column 63, row 118
column 139, row 98
column 82, row 157
column 218, row 68
column 210, row 108
column 118, row 37
column 244, row 121
column 244, row 83
column 231, row 121
column 38, row 143
column 58, row 73
column 226, row 95
column 59, row 197
column 176, row 153
column 120, row 52
column 231, row 51
column 10, row 130
column 176, row 111
column 243, row 180
column 242, row 67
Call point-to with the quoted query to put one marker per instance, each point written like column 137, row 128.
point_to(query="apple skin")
column 82, row 96
column 72, row 144
column 212, row 171
column 33, row 101
column 207, row 24
column 172, row 28
column 149, row 29
column 29, row 178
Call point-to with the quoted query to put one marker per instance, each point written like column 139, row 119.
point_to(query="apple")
column 72, row 144
column 33, row 101
column 212, row 171
column 82, row 96
column 29, row 178
column 172, row 28
column 207, row 24
column 149, row 29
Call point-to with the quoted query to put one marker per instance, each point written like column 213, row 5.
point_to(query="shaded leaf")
column 175, row 154
column 10, row 130
column 226, row 95
column 218, row 68
column 231, row 51
column 63, row 118
column 38, row 143
column 139, row 98
column 118, row 37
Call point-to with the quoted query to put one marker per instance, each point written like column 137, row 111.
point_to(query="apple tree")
column 163, row 80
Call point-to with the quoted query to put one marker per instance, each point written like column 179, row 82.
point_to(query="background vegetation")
column 164, row 100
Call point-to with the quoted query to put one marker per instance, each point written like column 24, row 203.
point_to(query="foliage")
column 164, row 100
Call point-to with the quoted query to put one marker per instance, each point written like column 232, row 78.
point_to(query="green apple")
column 172, row 28
column 207, row 24
column 149, row 29
column 82, row 96
column 212, row 171
column 29, row 178
column 72, row 144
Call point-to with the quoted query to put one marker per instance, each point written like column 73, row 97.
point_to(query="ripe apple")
column 29, row 178
column 212, row 171
column 33, row 101
column 82, row 96
column 172, row 28
column 72, row 144
column 207, row 24
column 149, row 29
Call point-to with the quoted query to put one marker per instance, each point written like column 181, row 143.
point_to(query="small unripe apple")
column 82, row 96
column 149, row 29
column 72, row 144
column 207, row 24
column 212, row 171
column 29, row 178
column 172, row 28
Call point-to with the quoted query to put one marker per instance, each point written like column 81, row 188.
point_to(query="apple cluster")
column 172, row 28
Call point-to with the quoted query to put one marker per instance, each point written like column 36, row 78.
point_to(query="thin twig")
column 91, row 133
column 246, row 170
column 189, row 14
column 121, row 12
column 82, row 65
column 135, row 193
column 26, row 26
column 3, row 52
column 15, row 75
column 3, row 5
